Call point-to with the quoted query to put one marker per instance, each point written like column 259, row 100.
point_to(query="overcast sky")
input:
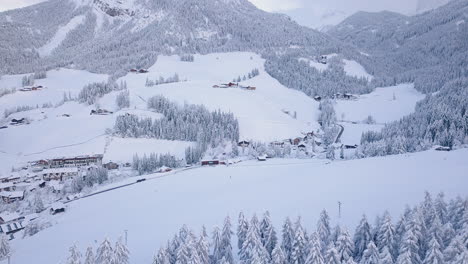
column 306, row 12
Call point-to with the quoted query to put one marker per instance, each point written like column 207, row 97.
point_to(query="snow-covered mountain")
column 426, row 5
column 133, row 33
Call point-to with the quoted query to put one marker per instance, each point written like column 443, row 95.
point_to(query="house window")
column 9, row 228
column 16, row 227
column 1, row 230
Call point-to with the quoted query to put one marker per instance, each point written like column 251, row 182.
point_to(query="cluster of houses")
column 234, row 85
column 322, row 59
column 139, row 71
column 100, row 112
column 31, row 88
column 344, row 96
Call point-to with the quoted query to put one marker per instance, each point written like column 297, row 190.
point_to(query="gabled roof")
column 7, row 217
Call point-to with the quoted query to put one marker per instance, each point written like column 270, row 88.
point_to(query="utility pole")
column 339, row 209
column 126, row 237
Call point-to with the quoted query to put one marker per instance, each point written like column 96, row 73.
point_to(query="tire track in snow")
column 65, row 146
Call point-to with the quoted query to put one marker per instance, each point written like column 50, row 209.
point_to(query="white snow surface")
column 60, row 36
column 260, row 113
column 57, row 83
column 154, row 210
column 123, row 149
column 380, row 104
column 353, row 68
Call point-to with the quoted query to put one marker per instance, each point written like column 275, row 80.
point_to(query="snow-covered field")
column 260, row 112
column 353, row 68
column 153, row 211
column 123, row 149
column 57, row 83
column 384, row 104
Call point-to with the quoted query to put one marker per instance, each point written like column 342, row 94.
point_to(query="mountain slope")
column 114, row 36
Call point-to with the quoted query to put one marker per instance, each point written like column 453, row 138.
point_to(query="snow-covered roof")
column 12, row 194
column 7, row 217
column 57, row 205
column 6, row 185
column 60, row 170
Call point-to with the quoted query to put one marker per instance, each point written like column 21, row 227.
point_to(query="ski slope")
column 153, row 211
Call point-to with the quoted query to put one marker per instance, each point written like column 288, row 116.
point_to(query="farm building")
column 7, row 187
column 10, row 197
column 57, row 208
column 101, row 112
column 59, row 174
column 79, row 161
column 17, row 122
column 441, row 148
column 262, row 158
column 210, row 162
column 111, row 166
column 11, row 228
column 243, row 144
column 9, row 217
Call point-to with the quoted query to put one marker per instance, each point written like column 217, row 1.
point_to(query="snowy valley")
column 126, row 122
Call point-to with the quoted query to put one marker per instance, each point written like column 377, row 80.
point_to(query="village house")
column 6, row 217
column 243, row 144
column 111, row 166
column 11, row 228
column 17, row 122
column 59, row 174
column 7, row 187
column 10, row 197
column 79, row 161
column 210, row 162
column 262, row 158
column 57, row 208
column 101, row 112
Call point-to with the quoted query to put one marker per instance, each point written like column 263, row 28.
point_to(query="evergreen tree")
column 217, row 254
column 331, row 256
column 277, row 256
column 203, row 247
column 268, row 233
column 462, row 258
column 105, row 253
column 440, row 207
column 362, row 238
column 5, row 249
column 121, row 253
column 370, row 255
column 323, row 230
column 89, row 256
column 434, row 254
column 182, row 254
column 385, row 256
column 252, row 250
column 298, row 245
column 242, row 229
column 225, row 247
column 162, row 257
column 315, row 252
column 288, row 238
column 386, row 235
column 75, row 255
column 454, row 249
column 409, row 249
column 345, row 245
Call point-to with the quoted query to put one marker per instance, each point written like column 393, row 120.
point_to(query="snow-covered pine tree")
column 409, row 249
column 183, row 254
column 252, row 250
column 362, row 237
column 370, row 255
column 288, row 238
column 277, row 256
column 440, row 207
column 121, row 253
column 105, row 253
column 75, row 256
column 345, row 245
column 225, row 243
column 268, row 233
column 216, row 240
column 386, row 235
column 331, row 255
column 385, row 256
column 162, row 257
column 203, row 247
column 242, row 228
column 455, row 248
column 89, row 256
column 323, row 230
column 315, row 252
column 462, row 258
column 299, row 244
column 434, row 254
